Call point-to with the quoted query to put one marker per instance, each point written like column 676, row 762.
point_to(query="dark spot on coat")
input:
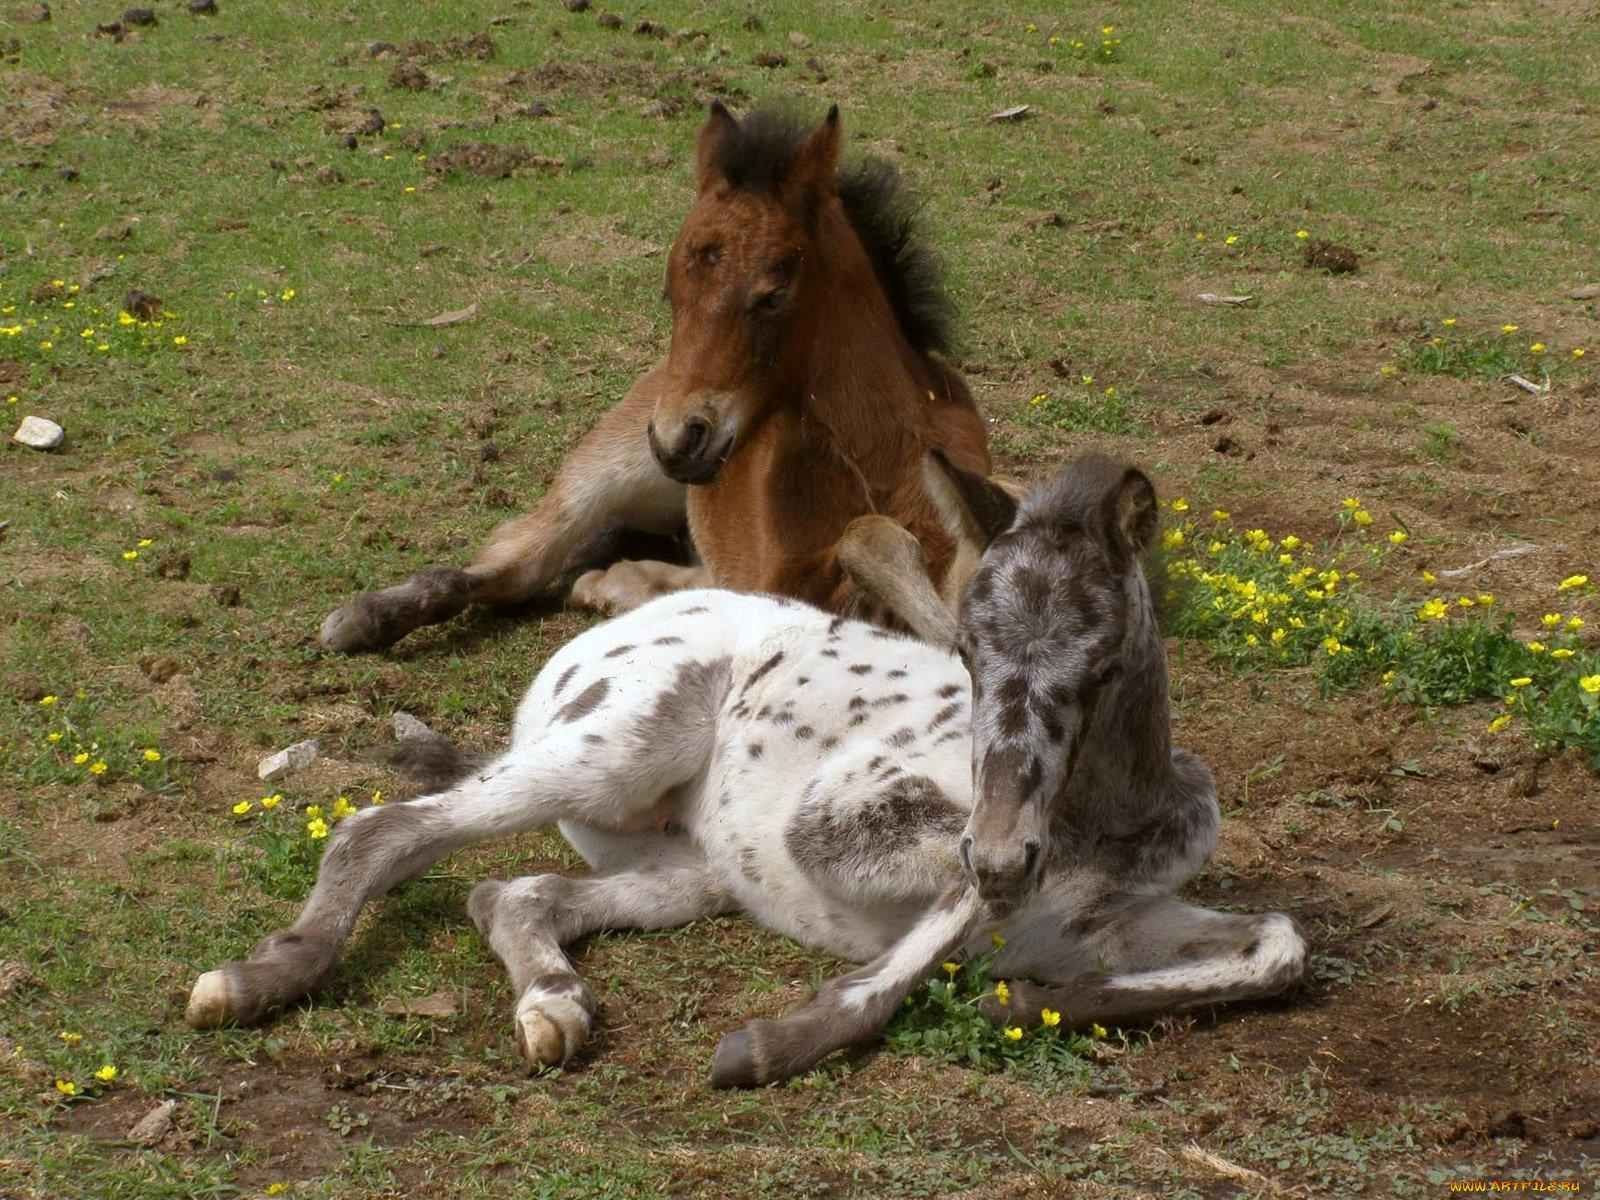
column 760, row 672
column 566, row 678
column 805, row 733
column 861, row 668
column 619, row 651
column 948, row 690
column 584, row 703
column 755, row 749
column 943, row 715
column 669, row 640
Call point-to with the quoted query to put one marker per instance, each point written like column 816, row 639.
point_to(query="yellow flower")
column 996, row 938
column 287, row 294
column 1563, row 653
column 1388, row 677
column 1251, row 639
column 1590, row 684
column 1014, row 1032
column 1388, row 369
column 1572, row 581
column 241, row 808
column 1030, row 27
column 1037, row 400
column 313, row 810
column 52, row 737
column 97, row 768
column 144, row 543
column 129, row 555
column 1301, row 234
column 317, row 828
column 1521, row 681
column 1575, row 623
column 1398, row 537
column 66, row 1087
column 106, row 1073
column 1537, row 647
column 1002, row 992
column 1550, row 620
column 1220, row 514
column 1433, row 609
column 1286, row 560
column 1199, row 237
column 70, row 1038
column 950, row 968
column 277, row 1189
column 271, row 802
column 1087, row 379
column 152, row 755
column 1577, row 352
column 1466, row 602
column 1508, row 329
column 1111, row 391
column 1050, row 1017
column 1449, row 322
column 1485, row 598
column 1107, row 30
column 1429, row 576
column 1278, row 635
column 1097, row 1030
column 1537, row 347
column 1230, row 240
column 1361, row 517
column 1499, row 723
column 342, row 807
column 180, row 340
column 81, row 758
column 47, row 701
column 1290, row 543
column 1180, row 505
column 1172, row 539
column 377, row 798
column 1350, row 502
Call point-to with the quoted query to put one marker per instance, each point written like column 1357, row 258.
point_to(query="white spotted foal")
column 855, row 790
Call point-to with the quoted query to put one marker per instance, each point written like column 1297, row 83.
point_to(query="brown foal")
column 787, row 429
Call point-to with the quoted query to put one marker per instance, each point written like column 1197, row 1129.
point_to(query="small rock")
column 142, row 305
column 609, row 20
column 139, row 16
column 289, row 760
column 799, row 40
column 408, row 728
column 1015, row 113
column 39, row 433
column 351, row 141
column 203, row 8
column 154, row 1125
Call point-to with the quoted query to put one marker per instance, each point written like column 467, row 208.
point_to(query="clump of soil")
column 488, row 161
column 1331, row 257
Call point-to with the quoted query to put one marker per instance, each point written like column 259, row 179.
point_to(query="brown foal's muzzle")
column 694, row 446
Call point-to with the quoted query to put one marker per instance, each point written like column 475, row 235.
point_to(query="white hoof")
column 550, row 1030
column 208, row 1002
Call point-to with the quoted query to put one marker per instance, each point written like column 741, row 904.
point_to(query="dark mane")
column 879, row 206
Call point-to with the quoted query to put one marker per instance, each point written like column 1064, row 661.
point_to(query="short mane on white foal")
column 880, row 798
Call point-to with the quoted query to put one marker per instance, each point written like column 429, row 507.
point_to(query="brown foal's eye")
column 770, row 301
column 709, row 255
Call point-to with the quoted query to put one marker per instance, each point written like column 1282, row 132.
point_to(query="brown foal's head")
column 1044, row 623
column 741, row 284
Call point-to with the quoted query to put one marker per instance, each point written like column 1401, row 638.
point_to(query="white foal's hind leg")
column 1160, row 955
column 528, row 921
column 853, row 1008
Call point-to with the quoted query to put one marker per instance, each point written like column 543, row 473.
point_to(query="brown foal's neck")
column 863, row 382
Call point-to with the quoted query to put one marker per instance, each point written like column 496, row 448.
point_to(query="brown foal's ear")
column 720, row 126
column 974, row 508
column 1126, row 519
column 808, row 178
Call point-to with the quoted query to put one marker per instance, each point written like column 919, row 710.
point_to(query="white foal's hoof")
column 550, row 1030
column 208, row 1002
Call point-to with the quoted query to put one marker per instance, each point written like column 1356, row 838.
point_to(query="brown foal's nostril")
column 692, row 458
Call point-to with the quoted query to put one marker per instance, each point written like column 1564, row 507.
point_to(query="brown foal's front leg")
column 609, row 481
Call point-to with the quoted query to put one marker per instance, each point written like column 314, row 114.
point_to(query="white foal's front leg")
column 529, row 920
column 853, row 1008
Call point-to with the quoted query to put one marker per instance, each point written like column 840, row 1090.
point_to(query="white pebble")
column 39, row 433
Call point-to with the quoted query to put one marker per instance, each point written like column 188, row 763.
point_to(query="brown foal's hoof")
column 363, row 624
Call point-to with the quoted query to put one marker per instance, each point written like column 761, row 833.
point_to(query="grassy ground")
column 310, row 436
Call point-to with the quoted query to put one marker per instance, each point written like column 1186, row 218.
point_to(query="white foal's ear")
column 1127, row 517
column 975, row 510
